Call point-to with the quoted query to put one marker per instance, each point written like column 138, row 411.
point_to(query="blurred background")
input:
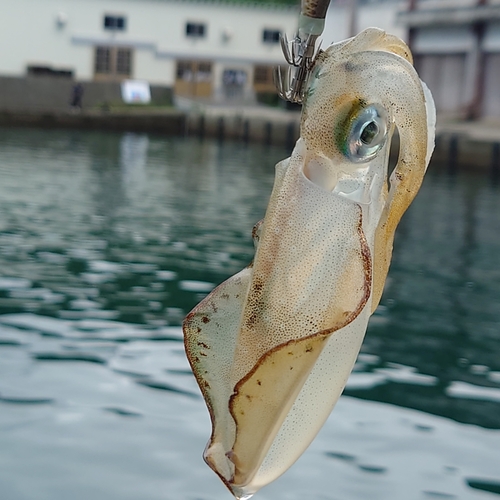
column 138, row 140
column 225, row 51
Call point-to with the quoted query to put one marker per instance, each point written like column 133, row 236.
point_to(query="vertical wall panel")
column 445, row 76
column 491, row 98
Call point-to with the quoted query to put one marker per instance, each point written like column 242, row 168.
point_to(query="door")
column 194, row 79
column 112, row 63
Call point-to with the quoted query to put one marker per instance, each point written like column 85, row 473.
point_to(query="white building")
column 372, row 13
column 205, row 49
column 456, row 46
column 222, row 50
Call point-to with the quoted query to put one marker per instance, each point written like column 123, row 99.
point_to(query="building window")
column 263, row 75
column 234, row 77
column 184, row 71
column 271, row 36
column 117, row 23
column 263, row 80
column 113, row 62
column 123, row 62
column 103, row 60
column 196, row 30
column 204, row 72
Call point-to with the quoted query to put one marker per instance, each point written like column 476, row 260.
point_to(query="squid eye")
column 366, row 133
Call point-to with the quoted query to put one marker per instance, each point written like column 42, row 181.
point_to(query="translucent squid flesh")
column 272, row 347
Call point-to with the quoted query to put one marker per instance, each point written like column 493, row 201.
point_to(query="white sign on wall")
column 136, row 92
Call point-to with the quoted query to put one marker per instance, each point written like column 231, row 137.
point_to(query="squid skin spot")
column 290, row 353
column 202, row 344
column 248, row 397
column 291, row 367
column 205, row 319
column 252, row 319
column 198, row 330
column 203, row 354
column 206, row 384
column 259, row 382
column 309, row 349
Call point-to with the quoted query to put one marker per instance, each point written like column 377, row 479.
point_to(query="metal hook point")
column 300, row 54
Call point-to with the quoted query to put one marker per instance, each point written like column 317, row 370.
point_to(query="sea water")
column 106, row 242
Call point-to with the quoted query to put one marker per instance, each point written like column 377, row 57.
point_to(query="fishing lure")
column 272, row 347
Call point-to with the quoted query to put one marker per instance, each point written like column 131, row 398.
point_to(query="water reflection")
column 107, row 240
column 133, row 158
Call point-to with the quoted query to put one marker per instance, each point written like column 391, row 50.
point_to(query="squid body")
column 272, row 347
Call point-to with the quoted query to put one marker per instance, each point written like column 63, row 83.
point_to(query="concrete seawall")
column 171, row 123
column 260, row 124
column 471, row 145
column 275, row 127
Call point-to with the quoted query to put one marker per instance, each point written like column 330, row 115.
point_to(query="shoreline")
column 459, row 144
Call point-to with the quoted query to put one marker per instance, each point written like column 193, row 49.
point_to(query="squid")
column 272, row 347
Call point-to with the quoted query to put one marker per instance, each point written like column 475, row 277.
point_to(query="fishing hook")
column 301, row 52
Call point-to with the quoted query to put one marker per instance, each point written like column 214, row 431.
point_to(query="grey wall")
column 52, row 94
